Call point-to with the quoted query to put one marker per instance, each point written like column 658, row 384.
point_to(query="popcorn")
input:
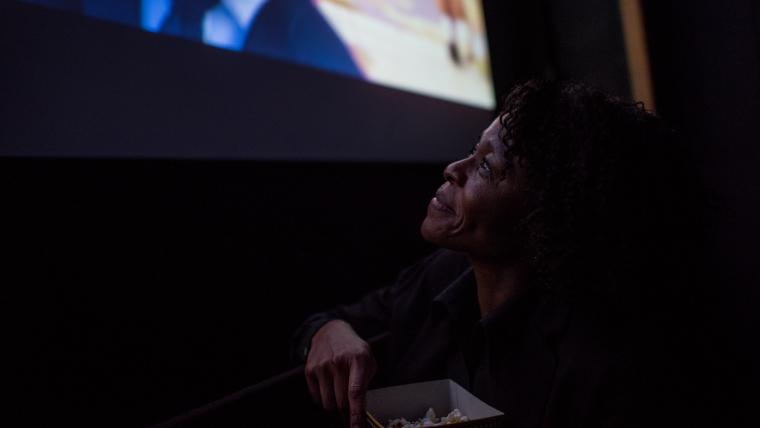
column 454, row 417
column 430, row 420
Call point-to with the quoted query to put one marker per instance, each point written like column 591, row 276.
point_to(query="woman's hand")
column 338, row 370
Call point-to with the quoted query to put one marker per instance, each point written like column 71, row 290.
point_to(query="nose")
column 454, row 172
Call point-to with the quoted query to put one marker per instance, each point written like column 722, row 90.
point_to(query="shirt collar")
column 513, row 314
column 458, row 301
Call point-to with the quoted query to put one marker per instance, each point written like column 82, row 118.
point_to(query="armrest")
column 254, row 405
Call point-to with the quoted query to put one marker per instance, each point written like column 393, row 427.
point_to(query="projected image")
column 436, row 48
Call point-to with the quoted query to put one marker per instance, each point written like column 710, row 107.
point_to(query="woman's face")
column 477, row 208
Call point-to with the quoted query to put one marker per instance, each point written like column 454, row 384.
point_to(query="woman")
column 564, row 237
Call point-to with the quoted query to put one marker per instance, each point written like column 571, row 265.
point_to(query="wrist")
column 318, row 329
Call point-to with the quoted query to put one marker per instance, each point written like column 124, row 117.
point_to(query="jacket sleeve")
column 369, row 316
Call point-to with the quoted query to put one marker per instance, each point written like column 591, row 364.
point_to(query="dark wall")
column 585, row 42
column 706, row 68
column 144, row 288
column 557, row 39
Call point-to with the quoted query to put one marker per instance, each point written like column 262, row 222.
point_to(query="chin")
column 437, row 235
column 425, row 231
column 429, row 232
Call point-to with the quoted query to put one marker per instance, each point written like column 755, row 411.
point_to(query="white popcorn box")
column 411, row 401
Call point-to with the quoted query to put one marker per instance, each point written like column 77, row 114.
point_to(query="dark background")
column 140, row 288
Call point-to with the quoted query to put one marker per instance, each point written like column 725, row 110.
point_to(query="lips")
column 441, row 203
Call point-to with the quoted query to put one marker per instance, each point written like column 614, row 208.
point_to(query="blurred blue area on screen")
column 226, row 24
column 121, row 11
column 185, row 18
column 154, row 13
column 295, row 30
column 290, row 30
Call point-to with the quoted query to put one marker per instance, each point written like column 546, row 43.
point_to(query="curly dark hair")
column 615, row 203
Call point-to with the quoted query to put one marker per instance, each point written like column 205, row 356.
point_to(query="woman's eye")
column 472, row 150
column 485, row 168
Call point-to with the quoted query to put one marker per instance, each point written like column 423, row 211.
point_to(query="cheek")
column 495, row 216
column 479, row 206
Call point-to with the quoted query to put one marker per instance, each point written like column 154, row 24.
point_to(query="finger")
column 358, row 379
column 313, row 384
column 326, row 392
column 340, row 387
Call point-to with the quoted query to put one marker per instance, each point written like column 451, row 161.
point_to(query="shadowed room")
column 195, row 192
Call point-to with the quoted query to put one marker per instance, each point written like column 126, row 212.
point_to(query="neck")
column 498, row 282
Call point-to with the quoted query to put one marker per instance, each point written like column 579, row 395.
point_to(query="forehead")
column 492, row 136
column 493, row 131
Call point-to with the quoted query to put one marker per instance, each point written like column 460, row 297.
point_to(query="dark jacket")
column 543, row 361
